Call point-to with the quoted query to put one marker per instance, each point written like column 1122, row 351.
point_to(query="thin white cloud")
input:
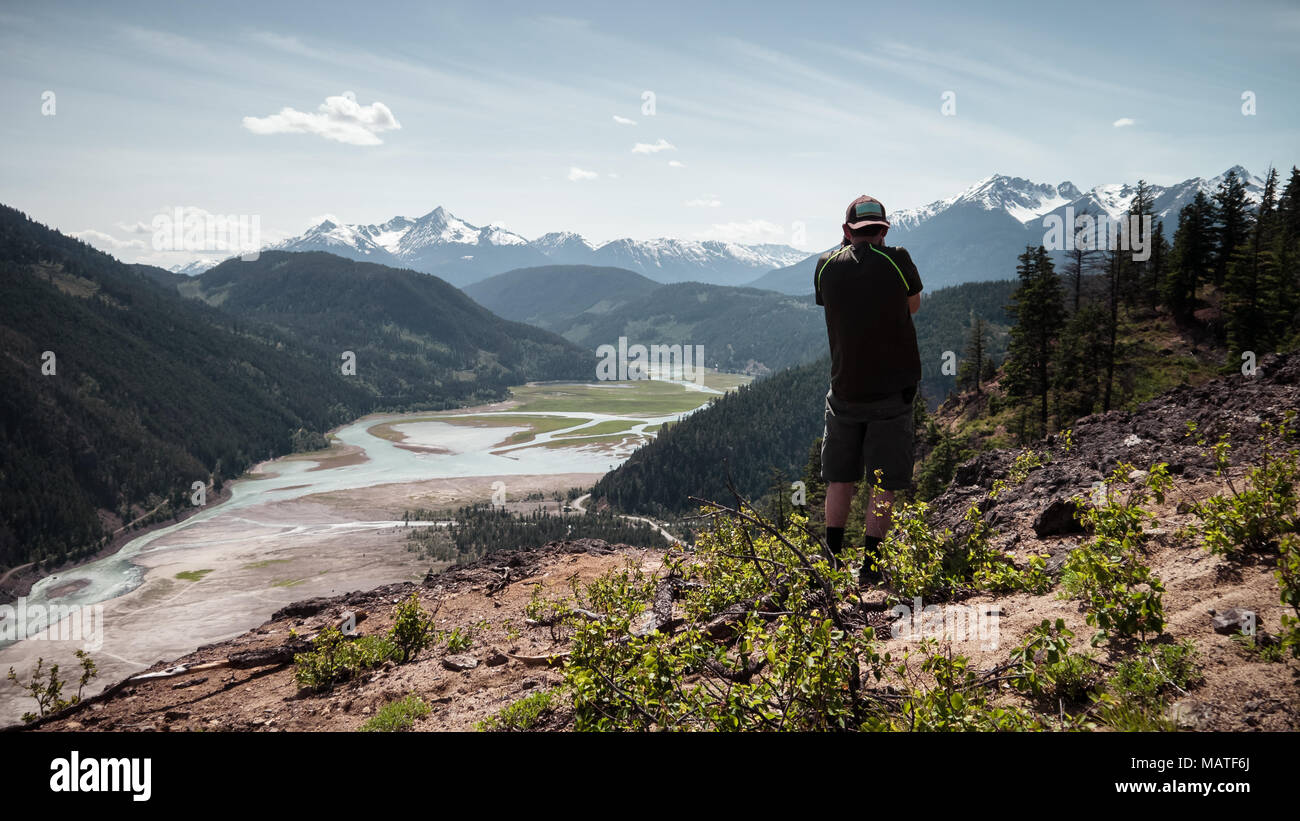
column 676, row 164
column 653, row 148
column 134, row 228
column 106, row 242
column 623, row 120
column 612, row 175
column 576, row 173
column 750, row 232
column 339, row 118
column 704, row 202
column 1123, row 122
column 287, row 43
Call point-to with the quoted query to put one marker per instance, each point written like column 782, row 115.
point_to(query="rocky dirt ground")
column 1240, row 692
column 506, row 654
column 489, row 597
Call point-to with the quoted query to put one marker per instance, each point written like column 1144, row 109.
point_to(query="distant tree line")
column 476, row 530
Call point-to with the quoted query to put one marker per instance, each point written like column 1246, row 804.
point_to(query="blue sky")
column 775, row 113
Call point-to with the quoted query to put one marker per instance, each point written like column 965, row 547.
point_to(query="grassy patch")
column 644, row 397
column 534, row 425
column 264, row 563
column 192, row 575
column 609, row 426
column 523, row 715
column 397, row 716
column 593, row 440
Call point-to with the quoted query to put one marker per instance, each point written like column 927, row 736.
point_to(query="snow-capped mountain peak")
column 194, row 267
column 557, row 240
column 1018, row 197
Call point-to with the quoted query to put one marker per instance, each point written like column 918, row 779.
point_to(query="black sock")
column 835, row 538
column 869, row 554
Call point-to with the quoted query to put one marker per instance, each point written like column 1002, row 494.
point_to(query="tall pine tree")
column 1191, row 258
column 975, row 358
column 1231, row 216
column 1038, row 310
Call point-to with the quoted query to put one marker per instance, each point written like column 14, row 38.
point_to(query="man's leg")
column 839, row 496
column 841, row 468
column 879, row 514
column 888, row 445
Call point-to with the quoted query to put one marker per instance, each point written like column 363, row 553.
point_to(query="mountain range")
column 977, row 234
column 443, row 244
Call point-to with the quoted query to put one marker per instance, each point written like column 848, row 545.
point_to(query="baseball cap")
column 865, row 211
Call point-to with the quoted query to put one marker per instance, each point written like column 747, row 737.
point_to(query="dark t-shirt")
column 864, row 289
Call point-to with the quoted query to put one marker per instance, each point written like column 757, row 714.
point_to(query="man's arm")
column 913, row 278
column 817, row 280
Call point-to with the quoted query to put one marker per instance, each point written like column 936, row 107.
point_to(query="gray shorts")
column 868, row 436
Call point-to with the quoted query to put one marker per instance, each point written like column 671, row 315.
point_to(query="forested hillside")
column 741, row 329
column 945, row 323
column 551, row 295
column 141, row 393
column 419, row 342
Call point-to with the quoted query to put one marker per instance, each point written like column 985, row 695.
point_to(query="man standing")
column 870, row 291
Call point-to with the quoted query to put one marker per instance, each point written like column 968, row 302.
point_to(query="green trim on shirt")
column 906, row 287
column 818, row 282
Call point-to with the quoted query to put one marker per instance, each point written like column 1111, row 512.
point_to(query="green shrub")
column 1121, row 594
column 1136, row 693
column 412, row 629
column 1288, row 578
column 958, row 701
column 47, row 688
column 1262, row 518
column 918, row 561
column 1252, row 520
column 1045, row 669
column 336, row 658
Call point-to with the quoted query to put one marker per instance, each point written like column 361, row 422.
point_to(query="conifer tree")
column 1038, row 310
column 975, row 358
column 1140, row 284
column 1082, row 356
column 1253, row 288
column 1231, row 215
column 1191, row 258
column 1081, row 261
